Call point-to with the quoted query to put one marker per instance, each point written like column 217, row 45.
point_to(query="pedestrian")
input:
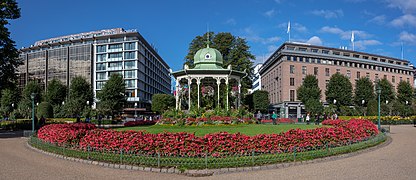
column 274, row 117
column 335, row 116
column 259, row 116
column 308, row 118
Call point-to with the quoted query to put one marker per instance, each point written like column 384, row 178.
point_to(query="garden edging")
column 210, row 172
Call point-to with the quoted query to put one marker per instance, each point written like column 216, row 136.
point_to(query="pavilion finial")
column 207, row 35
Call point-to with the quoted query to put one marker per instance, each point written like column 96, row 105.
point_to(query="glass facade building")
column 96, row 55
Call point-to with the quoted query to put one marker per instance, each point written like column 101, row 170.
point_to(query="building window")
column 115, row 56
column 401, row 79
column 315, row 71
column 348, row 74
column 130, row 55
column 115, row 66
column 338, row 70
column 376, row 77
column 130, row 46
column 407, row 79
column 99, row 85
column 102, row 48
column 130, row 83
column 325, row 51
column 292, row 95
column 326, row 71
column 129, row 64
column 292, row 81
column 393, row 79
column 129, row 74
column 367, row 75
column 292, row 69
column 358, row 75
column 101, row 57
column 385, row 76
column 314, row 50
column 303, row 69
column 101, row 76
column 288, row 58
column 100, row 67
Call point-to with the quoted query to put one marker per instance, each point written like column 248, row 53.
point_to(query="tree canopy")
column 387, row 91
column 111, row 97
column 8, row 53
column 162, row 102
column 340, row 89
column 309, row 89
column 261, row 100
column 79, row 93
column 364, row 90
column 56, row 92
column 404, row 92
column 234, row 50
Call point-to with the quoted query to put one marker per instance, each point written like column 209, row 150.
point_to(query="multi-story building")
column 96, row 55
column 285, row 70
column 256, row 78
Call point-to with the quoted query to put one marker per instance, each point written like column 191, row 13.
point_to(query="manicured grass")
column 248, row 129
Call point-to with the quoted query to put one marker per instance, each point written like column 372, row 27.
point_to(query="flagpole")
column 288, row 29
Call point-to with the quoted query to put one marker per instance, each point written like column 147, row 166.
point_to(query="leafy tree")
column 112, row 97
column 387, row 92
column 45, row 109
column 79, row 93
column 364, row 90
column 314, row 106
column 8, row 53
column 261, row 100
column 25, row 104
column 404, row 92
column 162, row 102
column 372, row 107
column 234, row 50
column 56, row 92
column 309, row 89
column 340, row 89
column 9, row 100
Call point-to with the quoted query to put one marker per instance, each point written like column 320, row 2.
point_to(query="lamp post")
column 32, row 96
column 378, row 93
column 135, row 111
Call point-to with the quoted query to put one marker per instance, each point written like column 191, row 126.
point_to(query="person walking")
column 259, row 116
column 308, row 118
column 274, row 117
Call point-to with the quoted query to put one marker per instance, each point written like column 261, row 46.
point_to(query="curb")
column 210, row 172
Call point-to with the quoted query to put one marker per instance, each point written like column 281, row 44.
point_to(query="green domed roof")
column 208, row 58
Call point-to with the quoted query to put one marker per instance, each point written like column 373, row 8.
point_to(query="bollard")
column 158, row 159
column 206, row 160
column 121, row 156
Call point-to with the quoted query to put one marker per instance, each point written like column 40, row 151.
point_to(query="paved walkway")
column 395, row 161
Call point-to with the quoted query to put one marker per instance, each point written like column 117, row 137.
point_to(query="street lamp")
column 32, row 96
column 135, row 111
column 63, row 103
column 378, row 93
column 335, row 101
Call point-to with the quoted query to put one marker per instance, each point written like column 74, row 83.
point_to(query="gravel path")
column 395, row 161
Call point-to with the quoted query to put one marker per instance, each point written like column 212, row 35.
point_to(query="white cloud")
column 231, row 21
column 328, row 14
column 294, row 26
column 345, row 34
column 252, row 36
column 315, row 40
column 361, row 44
column 381, row 19
column 406, row 19
column 407, row 6
column 407, row 37
column 269, row 13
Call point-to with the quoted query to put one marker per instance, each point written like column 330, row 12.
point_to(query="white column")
column 218, row 91
column 198, row 81
column 226, row 89
column 177, row 93
column 189, row 93
column 239, row 92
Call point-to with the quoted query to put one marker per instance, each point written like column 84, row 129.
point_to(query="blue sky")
column 380, row 26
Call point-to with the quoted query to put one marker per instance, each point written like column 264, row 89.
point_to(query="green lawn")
column 248, row 129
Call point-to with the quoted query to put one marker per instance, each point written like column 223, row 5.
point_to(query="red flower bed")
column 222, row 144
column 64, row 133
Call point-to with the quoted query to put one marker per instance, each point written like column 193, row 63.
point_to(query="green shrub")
column 45, row 109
